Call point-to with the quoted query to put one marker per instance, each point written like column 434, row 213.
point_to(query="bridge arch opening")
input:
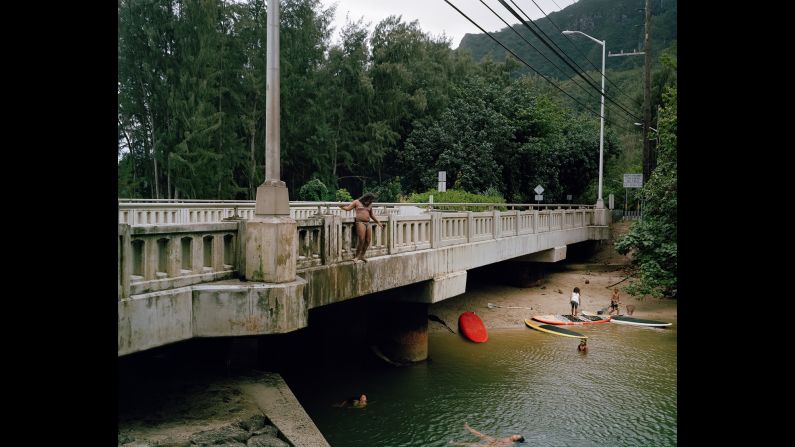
column 229, row 250
column 208, row 251
column 162, row 256
column 187, row 250
column 138, row 257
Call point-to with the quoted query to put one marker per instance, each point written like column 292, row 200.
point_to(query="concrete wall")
column 164, row 295
column 339, row 282
column 210, row 310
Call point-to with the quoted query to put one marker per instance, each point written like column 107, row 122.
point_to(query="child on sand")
column 575, row 301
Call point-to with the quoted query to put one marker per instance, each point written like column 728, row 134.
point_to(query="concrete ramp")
column 278, row 403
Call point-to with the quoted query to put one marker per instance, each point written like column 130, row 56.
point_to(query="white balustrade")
column 156, row 254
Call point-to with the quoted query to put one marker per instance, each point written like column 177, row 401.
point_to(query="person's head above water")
column 517, row 438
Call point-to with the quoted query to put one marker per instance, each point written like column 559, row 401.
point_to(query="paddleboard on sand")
column 553, row 329
column 622, row 319
column 568, row 319
column 471, row 326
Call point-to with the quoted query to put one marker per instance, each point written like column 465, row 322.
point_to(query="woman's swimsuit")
column 368, row 209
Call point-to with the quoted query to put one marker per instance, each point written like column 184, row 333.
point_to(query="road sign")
column 539, row 197
column 442, row 181
column 633, row 180
column 611, row 200
column 539, row 189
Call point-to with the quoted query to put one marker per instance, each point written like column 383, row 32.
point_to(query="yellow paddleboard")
column 553, row 329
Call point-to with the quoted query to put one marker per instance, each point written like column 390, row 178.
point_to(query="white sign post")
column 631, row 181
column 442, row 181
column 539, row 189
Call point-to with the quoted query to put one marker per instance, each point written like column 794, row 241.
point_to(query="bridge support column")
column 601, row 216
column 270, row 237
column 401, row 331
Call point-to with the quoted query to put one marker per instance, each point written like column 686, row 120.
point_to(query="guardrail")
column 164, row 211
column 159, row 257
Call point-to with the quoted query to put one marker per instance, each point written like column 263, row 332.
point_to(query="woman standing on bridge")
column 364, row 212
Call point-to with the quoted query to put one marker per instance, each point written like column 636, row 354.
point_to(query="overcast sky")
column 437, row 17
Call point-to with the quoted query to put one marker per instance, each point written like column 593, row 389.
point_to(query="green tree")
column 304, row 38
column 389, row 191
column 653, row 239
column 342, row 195
column 314, row 190
column 461, row 142
column 348, row 93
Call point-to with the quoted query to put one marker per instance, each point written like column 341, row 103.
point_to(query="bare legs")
column 364, row 232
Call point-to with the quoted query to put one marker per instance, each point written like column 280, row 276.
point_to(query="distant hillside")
column 619, row 22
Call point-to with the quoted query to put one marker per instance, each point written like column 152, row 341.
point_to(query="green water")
column 621, row 393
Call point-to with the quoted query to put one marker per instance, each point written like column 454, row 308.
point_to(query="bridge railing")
column 160, row 257
column 164, row 211
column 154, row 258
column 170, row 212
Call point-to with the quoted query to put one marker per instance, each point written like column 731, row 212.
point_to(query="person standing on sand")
column 575, row 301
column 615, row 300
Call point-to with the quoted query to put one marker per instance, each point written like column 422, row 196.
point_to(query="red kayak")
column 471, row 326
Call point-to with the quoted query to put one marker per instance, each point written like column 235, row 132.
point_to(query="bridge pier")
column 271, row 249
column 400, row 331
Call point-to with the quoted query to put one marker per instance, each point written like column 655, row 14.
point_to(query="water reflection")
column 621, row 393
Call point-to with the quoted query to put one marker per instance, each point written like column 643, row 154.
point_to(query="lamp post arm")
column 600, row 42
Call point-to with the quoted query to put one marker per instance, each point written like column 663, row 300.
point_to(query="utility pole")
column 647, row 149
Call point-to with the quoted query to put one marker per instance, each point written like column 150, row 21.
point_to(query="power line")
column 582, row 54
column 581, row 73
column 590, row 82
column 528, row 65
column 593, row 84
column 590, row 92
column 617, row 88
column 548, row 38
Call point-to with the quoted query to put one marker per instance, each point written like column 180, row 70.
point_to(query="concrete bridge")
column 183, row 273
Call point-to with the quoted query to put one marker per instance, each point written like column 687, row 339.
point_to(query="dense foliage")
column 618, row 22
column 653, row 239
column 381, row 110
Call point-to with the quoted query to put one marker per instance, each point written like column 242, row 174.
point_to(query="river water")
column 621, row 393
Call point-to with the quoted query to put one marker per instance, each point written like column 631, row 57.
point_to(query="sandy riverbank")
column 553, row 293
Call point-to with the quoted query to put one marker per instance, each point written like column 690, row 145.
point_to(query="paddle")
column 439, row 320
column 492, row 306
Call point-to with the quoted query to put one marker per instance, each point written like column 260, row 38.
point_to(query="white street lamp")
column 650, row 128
column 600, row 203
